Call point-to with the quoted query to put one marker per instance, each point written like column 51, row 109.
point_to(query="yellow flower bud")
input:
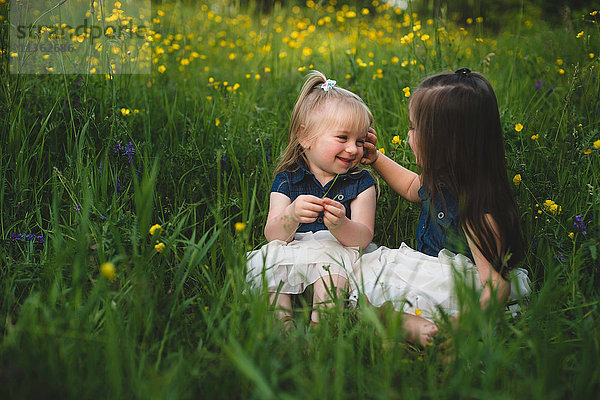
column 107, row 269
column 155, row 229
column 159, row 247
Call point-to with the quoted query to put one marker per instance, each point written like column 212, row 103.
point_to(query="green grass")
column 182, row 323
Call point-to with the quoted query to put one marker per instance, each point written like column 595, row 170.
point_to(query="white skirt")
column 416, row 283
column 290, row 267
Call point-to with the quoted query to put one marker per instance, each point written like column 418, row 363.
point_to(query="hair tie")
column 464, row 71
column 328, row 85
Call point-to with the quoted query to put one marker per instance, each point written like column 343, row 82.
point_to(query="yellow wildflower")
column 580, row 34
column 591, row 55
column 125, row 111
column 518, row 127
column 240, row 226
column 571, row 235
column 217, row 121
column 382, row 150
column 155, row 229
column 597, row 144
column 160, row 247
column 551, row 206
column 107, row 269
column 162, row 69
column 535, row 137
column 587, row 151
column 396, row 140
column 517, row 179
column 561, row 71
column 418, row 312
column 559, row 61
column 406, row 91
column 425, row 37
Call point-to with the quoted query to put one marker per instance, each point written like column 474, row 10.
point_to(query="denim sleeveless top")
column 438, row 226
column 301, row 181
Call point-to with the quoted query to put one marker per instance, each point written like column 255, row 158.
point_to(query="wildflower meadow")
column 132, row 187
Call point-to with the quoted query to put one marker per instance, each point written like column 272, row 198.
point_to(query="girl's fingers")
column 334, row 210
column 371, row 137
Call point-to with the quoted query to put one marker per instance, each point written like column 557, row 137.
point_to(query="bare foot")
column 288, row 323
column 420, row 331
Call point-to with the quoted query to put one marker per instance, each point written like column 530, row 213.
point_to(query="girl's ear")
column 303, row 137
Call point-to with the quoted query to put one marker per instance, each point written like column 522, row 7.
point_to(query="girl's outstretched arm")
column 357, row 231
column 285, row 216
column 491, row 281
column 404, row 181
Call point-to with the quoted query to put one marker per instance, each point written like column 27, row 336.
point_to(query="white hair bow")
column 328, row 85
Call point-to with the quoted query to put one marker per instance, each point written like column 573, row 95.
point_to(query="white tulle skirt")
column 416, row 283
column 291, row 267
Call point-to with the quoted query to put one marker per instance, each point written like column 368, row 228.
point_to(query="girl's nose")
column 351, row 148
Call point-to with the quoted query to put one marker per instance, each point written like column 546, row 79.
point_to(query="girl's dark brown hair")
column 459, row 138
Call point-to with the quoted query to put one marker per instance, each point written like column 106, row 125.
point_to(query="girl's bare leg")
column 420, row 330
column 322, row 290
column 283, row 308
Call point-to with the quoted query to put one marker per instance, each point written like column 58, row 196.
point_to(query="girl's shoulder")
column 285, row 179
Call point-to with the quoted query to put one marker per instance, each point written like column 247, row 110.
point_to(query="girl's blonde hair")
column 318, row 109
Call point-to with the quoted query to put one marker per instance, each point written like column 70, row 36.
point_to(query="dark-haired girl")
column 469, row 223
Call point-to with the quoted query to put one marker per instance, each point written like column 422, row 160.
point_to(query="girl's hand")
column 370, row 148
column 335, row 214
column 306, row 208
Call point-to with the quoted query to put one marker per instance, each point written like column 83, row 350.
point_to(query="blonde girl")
column 467, row 206
column 322, row 204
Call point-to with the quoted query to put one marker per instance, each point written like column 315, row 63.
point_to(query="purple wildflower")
column 560, row 256
column 539, row 84
column 534, row 244
column 102, row 217
column 77, row 207
column 118, row 183
column 30, row 237
column 129, row 152
column 579, row 224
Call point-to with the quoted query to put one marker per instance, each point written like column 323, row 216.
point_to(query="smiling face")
column 336, row 146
